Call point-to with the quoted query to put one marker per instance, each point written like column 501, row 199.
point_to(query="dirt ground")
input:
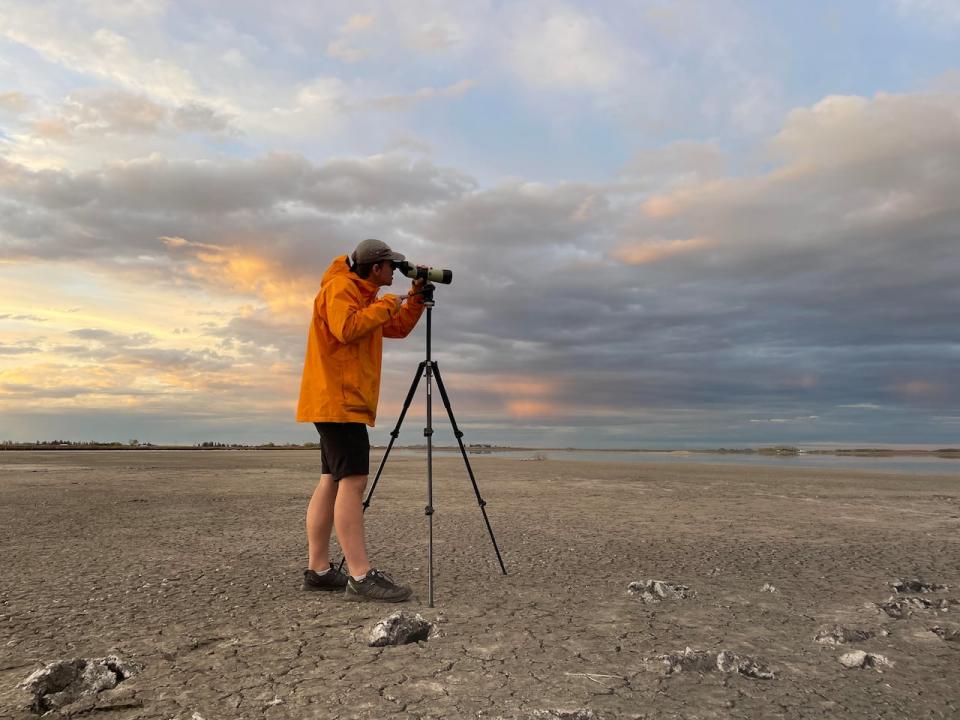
column 190, row 563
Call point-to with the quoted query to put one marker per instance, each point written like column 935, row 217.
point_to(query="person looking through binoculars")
column 339, row 392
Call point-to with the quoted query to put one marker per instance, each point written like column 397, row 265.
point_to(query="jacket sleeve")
column 401, row 324
column 347, row 320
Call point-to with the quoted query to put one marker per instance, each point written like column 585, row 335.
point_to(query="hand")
column 419, row 282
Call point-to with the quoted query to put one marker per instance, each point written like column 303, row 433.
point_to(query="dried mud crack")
column 206, row 553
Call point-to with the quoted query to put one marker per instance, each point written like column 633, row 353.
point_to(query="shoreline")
column 779, row 450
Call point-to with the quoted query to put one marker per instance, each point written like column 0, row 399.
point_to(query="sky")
column 695, row 223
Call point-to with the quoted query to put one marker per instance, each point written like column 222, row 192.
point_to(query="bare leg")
column 320, row 523
column 348, row 518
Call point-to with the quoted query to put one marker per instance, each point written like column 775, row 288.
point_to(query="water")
column 930, row 465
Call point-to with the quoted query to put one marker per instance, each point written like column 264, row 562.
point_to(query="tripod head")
column 427, row 292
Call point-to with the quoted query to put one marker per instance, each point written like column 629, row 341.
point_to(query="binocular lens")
column 430, row 274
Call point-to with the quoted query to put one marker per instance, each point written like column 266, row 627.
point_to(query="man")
column 339, row 393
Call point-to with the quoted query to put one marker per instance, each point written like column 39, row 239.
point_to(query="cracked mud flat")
column 189, row 563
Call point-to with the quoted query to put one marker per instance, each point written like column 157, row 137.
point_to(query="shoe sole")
column 367, row 598
column 314, row 588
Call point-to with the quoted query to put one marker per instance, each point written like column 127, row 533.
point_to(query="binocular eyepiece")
column 414, row 272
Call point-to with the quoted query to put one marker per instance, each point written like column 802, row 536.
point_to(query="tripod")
column 430, row 368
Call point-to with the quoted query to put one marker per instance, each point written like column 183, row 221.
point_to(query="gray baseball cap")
column 374, row 251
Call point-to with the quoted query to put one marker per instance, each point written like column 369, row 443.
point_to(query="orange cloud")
column 523, row 397
column 524, row 409
column 651, row 251
column 920, row 390
column 520, row 396
column 531, row 386
column 661, row 206
column 243, row 271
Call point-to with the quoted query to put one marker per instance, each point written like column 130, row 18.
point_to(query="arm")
column 403, row 322
column 348, row 321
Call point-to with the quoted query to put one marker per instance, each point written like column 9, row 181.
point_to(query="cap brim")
column 397, row 257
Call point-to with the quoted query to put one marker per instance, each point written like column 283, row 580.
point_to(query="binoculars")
column 415, row 272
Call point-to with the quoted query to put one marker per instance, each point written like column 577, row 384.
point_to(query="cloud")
column 243, row 271
column 404, row 102
column 99, row 112
column 93, row 212
column 18, row 349
column 781, row 421
column 342, row 48
column 933, row 11
column 393, row 33
column 923, row 390
column 563, row 49
column 360, row 21
column 677, row 164
column 83, row 46
column 22, row 317
column 677, row 294
column 15, row 102
column 643, row 252
column 134, row 11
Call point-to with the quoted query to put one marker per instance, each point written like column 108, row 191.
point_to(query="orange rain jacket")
column 341, row 372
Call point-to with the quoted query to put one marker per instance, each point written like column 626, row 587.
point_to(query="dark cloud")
column 817, row 282
column 673, row 300
column 195, row 117
column 262, row 336
column 278, row 205
column 119, row 350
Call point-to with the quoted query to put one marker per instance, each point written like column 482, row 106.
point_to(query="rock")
column 860, row 659
column 838, row 635
column 767, row 587
column 579, row 714
column 703, row 661
column 915, row 586
column 948, row 634
column 898, row 607
column 653, row 591
column 64, row 682
column 401, row 628
column 728, row 662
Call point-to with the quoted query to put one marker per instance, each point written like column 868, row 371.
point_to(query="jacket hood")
column 340, row 267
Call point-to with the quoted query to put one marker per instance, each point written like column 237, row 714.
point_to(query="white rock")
column 400, row 628
column 653, row 591
column 66, row 681
column 860, row 659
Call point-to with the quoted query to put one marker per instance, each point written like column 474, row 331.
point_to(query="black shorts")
column 344, row 449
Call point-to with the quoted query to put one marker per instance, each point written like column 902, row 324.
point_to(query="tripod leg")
column 393, row 437
column 463, row 451
column 395, row 433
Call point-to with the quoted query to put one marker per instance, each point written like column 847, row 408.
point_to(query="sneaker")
column 334, row 579
column 376, row 586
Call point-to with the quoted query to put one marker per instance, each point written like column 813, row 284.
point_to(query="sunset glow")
column 667, row 225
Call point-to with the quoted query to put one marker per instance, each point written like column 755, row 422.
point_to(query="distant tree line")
column 52, row 444
column 135, row 444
